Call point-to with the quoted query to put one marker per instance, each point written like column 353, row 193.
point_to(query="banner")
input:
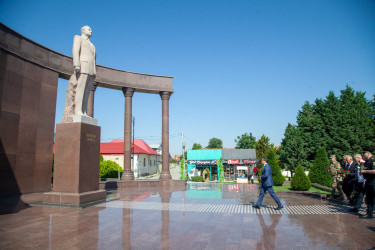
column 249, row 161
column 201, row 162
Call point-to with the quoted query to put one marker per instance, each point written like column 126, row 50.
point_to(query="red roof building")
column 116, row 147
column 145, row 160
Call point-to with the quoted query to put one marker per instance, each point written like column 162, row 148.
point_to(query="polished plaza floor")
column 200, row 216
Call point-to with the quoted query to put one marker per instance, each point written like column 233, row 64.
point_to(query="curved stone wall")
column 29, row 75
column 31, row 51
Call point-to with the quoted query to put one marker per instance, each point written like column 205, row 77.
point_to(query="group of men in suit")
column 363, row 183
column 357, row 182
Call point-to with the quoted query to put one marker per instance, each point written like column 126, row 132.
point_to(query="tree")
column 245, row 141
column 307, row 124
column 278, row 178
column 292, row 151
column 262, row 146
column 215, row 143
column 300, row 181
column 343, row 125
column 318, row 172
column 196, row 146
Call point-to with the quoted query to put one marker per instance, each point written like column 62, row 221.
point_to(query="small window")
column 144, row 162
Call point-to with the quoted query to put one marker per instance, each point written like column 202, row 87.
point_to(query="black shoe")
column 256, row 206
column 354, row 210
column 366, row 216
column 279, row 207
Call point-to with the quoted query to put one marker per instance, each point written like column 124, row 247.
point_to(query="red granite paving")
column 24, row 226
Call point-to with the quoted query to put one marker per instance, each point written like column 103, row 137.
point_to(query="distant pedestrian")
column 369, row 175
column 267, row 183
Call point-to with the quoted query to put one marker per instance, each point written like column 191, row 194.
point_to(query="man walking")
column 369, row 175
column 267, row 183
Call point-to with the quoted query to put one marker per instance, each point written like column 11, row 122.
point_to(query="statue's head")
column 86, row 30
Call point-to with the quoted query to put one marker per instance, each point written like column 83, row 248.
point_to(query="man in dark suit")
column 350, row 178
column 267, row 184
column 369, row 175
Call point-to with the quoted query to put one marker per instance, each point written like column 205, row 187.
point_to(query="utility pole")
column 183, row 155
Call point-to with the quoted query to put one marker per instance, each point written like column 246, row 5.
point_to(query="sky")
column 238, row 66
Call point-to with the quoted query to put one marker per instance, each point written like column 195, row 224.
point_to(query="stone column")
column 128, row 174
column 165, row 174
column 90, row 103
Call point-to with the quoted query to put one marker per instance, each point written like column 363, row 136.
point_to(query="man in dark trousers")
column 369, row 175
column 350, row 178
column 267, row 184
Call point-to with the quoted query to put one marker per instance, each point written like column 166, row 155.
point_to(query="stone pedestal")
column 76, row 168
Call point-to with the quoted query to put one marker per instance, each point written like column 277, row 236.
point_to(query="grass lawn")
column 311, row 190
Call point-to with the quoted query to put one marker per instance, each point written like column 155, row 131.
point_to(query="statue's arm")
column 76, row 52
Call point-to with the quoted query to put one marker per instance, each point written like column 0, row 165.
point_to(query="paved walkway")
column 174, row 170
column 201, row 216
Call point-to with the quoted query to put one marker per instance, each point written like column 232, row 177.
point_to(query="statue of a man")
column 81, row 82
column 84, row 67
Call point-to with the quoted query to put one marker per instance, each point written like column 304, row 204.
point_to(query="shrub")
column 277, row 176
column 318, row 172
column 300, row 181
column 109, row 169
column 197, row 178
column 101, row 158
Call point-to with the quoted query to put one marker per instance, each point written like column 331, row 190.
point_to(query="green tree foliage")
column 300, row 181
column 343, row 125
column 278, row 178
column 101, row 158
column 196, row 146
column 220, row 166
column 109, row 169
column 262, row 146
column 215, row 143
column 292, row 151
column 182, row 171
column 245, row 141
column 318, row 172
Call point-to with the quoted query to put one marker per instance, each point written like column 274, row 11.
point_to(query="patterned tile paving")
column 228, row 208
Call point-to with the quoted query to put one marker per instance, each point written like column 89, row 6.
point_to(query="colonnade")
column 128, row 174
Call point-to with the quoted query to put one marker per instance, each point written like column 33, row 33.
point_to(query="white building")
column 144, row 162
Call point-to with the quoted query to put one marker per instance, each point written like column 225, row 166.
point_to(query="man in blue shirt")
column 267, row 184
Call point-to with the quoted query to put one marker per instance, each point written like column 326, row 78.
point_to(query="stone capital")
column 128, row 92
column 165, row 95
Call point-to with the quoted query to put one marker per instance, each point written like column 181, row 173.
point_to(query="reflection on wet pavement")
column 199, row 216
